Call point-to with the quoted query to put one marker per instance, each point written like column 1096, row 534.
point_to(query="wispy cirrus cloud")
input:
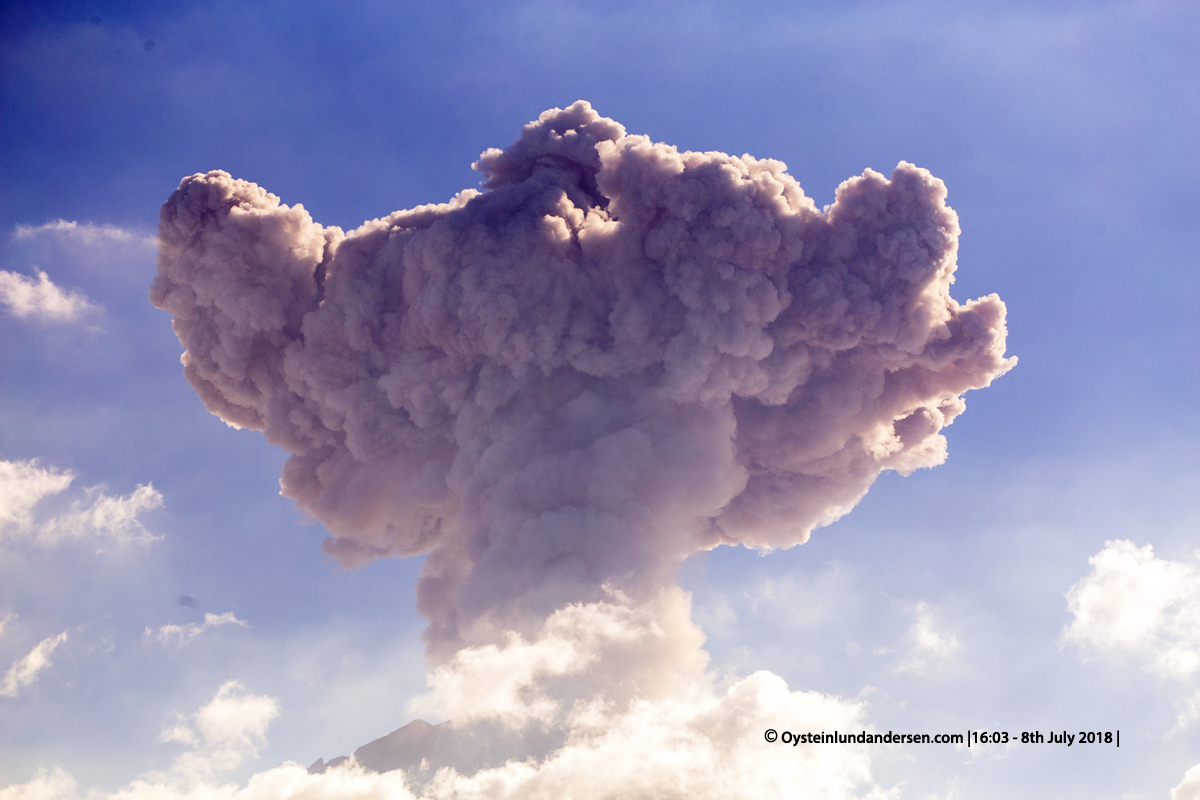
column 928, row 641
column 29, row 292
column 80, row 232
column 24, row 485
column 182, row 635
column 25, row 671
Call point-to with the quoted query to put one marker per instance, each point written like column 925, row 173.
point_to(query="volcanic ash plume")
column 614, row 356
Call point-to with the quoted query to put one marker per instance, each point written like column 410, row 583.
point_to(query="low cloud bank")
column 700, row 740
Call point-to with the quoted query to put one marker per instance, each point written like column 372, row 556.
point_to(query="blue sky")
column 1065, row 133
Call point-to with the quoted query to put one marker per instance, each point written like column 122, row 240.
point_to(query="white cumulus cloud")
column 25, row 671
column 41, row 299
column 24, row 485
column 219, row 736
column 1189, row 787
column 185, row 634
column 1135, row 602
column 46, row 785
column 222, row 734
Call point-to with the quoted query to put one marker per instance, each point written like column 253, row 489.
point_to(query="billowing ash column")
column 614, row 356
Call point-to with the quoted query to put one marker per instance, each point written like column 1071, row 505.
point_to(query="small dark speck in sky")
column 149, row 45
column 186, row 600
